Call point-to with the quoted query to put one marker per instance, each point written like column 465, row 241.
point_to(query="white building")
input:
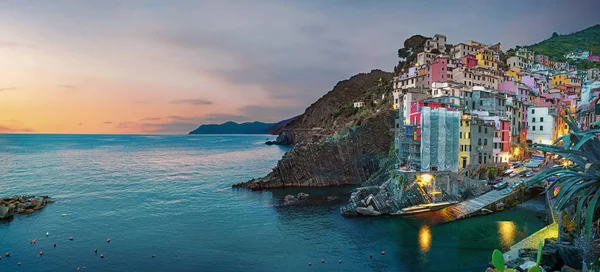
column 451, row 91
column 541, row 124
column 359, row 104
column 438, row 42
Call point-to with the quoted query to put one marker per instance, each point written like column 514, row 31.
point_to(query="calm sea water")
column 171, row 196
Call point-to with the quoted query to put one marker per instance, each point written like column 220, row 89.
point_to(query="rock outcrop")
column 22, row 204
column 335, row 143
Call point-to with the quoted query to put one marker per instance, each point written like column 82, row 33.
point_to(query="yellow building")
column 465, row 141
column 485, row 58
column 559, row 79
column 514, row 73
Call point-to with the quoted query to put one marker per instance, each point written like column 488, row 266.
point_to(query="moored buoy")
column 370, row 255
column 7, row 254
column 19, row 263
column 71, row 238
column 95, row 250
column 101, row 255
column 309, row 264
column 47, row 234
column 383, row 253
column 54, row 244
column 340, row 261
column 78, row 268
column 34, row 241
column 108, row 240
column 153, row 256
column 41, row 253
column 323, row 261
column 64, row 214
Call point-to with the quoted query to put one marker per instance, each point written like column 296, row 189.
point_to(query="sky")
column 159, row 66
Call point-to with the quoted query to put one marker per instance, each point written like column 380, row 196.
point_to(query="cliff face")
column 335, row 143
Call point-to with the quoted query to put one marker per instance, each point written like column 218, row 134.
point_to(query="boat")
column 424, row 208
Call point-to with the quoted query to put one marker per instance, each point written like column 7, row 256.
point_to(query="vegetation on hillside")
column 556, row 46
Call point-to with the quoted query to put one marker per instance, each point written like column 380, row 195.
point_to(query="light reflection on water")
column 506, row 230
column 424, row 238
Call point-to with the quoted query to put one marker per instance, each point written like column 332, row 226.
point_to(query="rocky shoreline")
column 22, row 204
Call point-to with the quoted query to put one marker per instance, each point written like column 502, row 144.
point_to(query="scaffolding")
column 439, row 140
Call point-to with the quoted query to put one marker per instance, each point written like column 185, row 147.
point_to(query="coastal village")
column 468, row 124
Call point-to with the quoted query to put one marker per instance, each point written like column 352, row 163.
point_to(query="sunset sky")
column 168, row 66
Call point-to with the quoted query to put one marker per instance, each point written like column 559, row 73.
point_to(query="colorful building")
column 485, row 58
column 464, row 157
column 438, row 70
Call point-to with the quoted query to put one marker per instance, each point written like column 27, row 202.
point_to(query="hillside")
column 335, row 143
column 234, row 128
column 556, row 46
column 276, row 129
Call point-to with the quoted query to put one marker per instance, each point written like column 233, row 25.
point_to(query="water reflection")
column 506, row 230
column 424, row 238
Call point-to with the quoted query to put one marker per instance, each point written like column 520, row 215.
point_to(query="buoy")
column 47, row 233
column 54, row 244
column 71, row 238
column 323, row 261
column 34, row 241
column 84, row 268
column 30, row 242
column 101, row 255
column 78, row 268
column 153, row 256
column 309, row 264
column 340, row 261
column 108, row 240
column 41, row 253
column 95, row 250
column 383, row 253
column 19, row 263
column 7, row 254
column 64, row 214
column 370, row 255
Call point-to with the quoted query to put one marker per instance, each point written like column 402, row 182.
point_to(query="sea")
column 170, row 196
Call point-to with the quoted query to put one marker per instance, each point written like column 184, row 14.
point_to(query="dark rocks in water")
column 22, row 204
column 284, row 138
column 6, row 212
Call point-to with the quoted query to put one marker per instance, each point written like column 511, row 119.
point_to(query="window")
column 479, row 141
column 484, row 141
column 461, row 135
column 485, row 131
column 469, row 148
column 541, row 128
column 541, row 119
column 533, row 120
column 532, row 111
column 533, row 128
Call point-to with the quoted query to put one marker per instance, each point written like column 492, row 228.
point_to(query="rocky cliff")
column 335, row 143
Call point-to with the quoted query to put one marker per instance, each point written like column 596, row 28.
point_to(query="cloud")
column 9, row 129
column 7, row 89
column 66, row 86
column 9, row 44
column 139, row 102
column 80, row 124
column 151, row 119
column 198, row 101
column 271, row 114
column 12, row 126
column 126, row 124
column 107, row 122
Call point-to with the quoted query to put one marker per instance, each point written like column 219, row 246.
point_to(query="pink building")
column 594, row 58
column 530, row 82
column 542, row 59
column 469, row 60
column 521, row 91
column 438, row 71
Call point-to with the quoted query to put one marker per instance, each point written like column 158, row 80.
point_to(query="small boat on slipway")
column 424, row 208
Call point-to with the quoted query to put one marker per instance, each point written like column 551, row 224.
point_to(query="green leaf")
column 589, row 214
column 539, row 253
column 535, row 268
column 498, row 260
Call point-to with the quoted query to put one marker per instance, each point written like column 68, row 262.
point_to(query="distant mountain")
column 243, row 128
column 556, row 46
column 279, row 127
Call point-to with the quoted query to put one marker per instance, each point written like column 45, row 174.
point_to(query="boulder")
column 570, row 255
column 550, row 256
column 289, row 198
column 567, row 268
column 28, row 205
column 369, row 211
column 302, row 196
column 6, row 212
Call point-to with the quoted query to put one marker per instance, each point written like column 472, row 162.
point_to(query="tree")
column 579, row 182
column 555, row 35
